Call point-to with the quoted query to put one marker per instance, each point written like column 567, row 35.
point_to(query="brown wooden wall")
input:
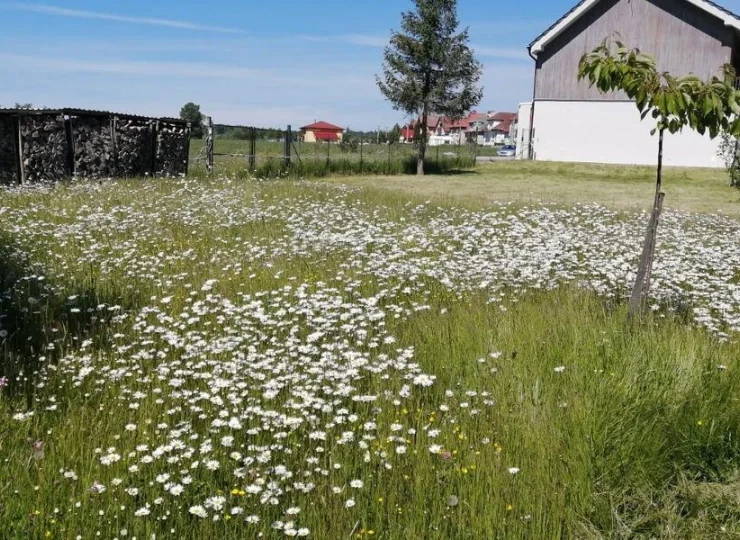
column 683, row 38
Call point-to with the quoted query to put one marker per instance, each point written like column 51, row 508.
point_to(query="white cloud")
column 82, row 14
column 307, row 76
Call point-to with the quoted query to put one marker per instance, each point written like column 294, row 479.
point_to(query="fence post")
column 328, row 152
column 209, row 145
column 252, row 149
column 361, row 144
column 389, row 157
column 288, row 141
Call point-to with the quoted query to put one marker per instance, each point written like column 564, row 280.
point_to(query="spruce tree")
column 429, row 67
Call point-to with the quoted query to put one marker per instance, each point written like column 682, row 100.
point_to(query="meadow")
column 236, row 358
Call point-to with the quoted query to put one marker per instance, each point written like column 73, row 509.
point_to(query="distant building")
column 570, row 121
column 491, row 128
column 321, row 132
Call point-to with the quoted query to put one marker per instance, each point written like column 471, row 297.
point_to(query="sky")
column 247, row 62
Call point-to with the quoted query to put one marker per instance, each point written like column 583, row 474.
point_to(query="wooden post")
column 153, row 128
column 328, row 152
column 286, row 153
column 641, row 288
column 360, row 154
column 252, row 149
column 21, row 165
column 209, row 145
column 16, row 149
column 114, row 144
column 653, row 242
column 187, row 148
column 70, row 146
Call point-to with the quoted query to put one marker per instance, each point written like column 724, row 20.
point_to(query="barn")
column 569, row 121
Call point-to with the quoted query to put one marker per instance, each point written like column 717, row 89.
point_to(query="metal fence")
column 236, row 148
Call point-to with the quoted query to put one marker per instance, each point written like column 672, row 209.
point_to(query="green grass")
column 691, row 190
column 636, row 438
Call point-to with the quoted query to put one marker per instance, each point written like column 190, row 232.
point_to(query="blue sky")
column 255, row 62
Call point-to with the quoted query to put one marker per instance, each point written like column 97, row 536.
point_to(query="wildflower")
column 142, row 512
column 349, row 503
column 96, row 488
column 559, row 369
column 357, row 484
column 198, row 511
column 513, row 470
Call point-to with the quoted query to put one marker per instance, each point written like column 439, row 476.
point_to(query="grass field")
column 622, row 187
column 236, row 359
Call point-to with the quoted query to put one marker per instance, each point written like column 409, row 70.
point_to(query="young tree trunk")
column 644, row 271
column 422, row 141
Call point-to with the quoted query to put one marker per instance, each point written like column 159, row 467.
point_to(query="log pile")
column 50, row 145
column 93, row 147
column 134, row 147
column 8, row 167
column 173, row 147
column 44, row 147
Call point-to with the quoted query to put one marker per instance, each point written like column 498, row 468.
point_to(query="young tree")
column 190, row 112
column 429, row 67
column 395, row 134
column 674, row 103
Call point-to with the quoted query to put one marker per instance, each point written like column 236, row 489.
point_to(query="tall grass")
column 557, row 417
column 318, row 168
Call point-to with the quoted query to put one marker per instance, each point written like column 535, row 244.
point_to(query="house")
column 569, row 121
column 408, row 134
column 500, row 128
column 321, row 132
column 483, row 128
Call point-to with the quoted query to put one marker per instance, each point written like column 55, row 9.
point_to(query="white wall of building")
column 611, row 132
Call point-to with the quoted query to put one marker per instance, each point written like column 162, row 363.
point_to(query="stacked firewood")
column 173, row 142
column 93, row 147
column 134, row 147
column 44, row 150
column 8, row 168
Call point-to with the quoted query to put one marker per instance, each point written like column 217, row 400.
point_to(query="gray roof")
column 88, row 112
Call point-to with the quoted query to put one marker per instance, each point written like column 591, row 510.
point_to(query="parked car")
column 507, row 151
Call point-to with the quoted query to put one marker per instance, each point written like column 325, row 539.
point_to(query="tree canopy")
column 429, row 68
column 190, row 112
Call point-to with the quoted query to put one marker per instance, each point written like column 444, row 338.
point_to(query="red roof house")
column 322, row 131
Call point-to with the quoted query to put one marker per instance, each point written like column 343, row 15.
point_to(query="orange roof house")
column 322, row 132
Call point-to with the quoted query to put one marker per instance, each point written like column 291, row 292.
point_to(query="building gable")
column 683, row 36
column 727, row 17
